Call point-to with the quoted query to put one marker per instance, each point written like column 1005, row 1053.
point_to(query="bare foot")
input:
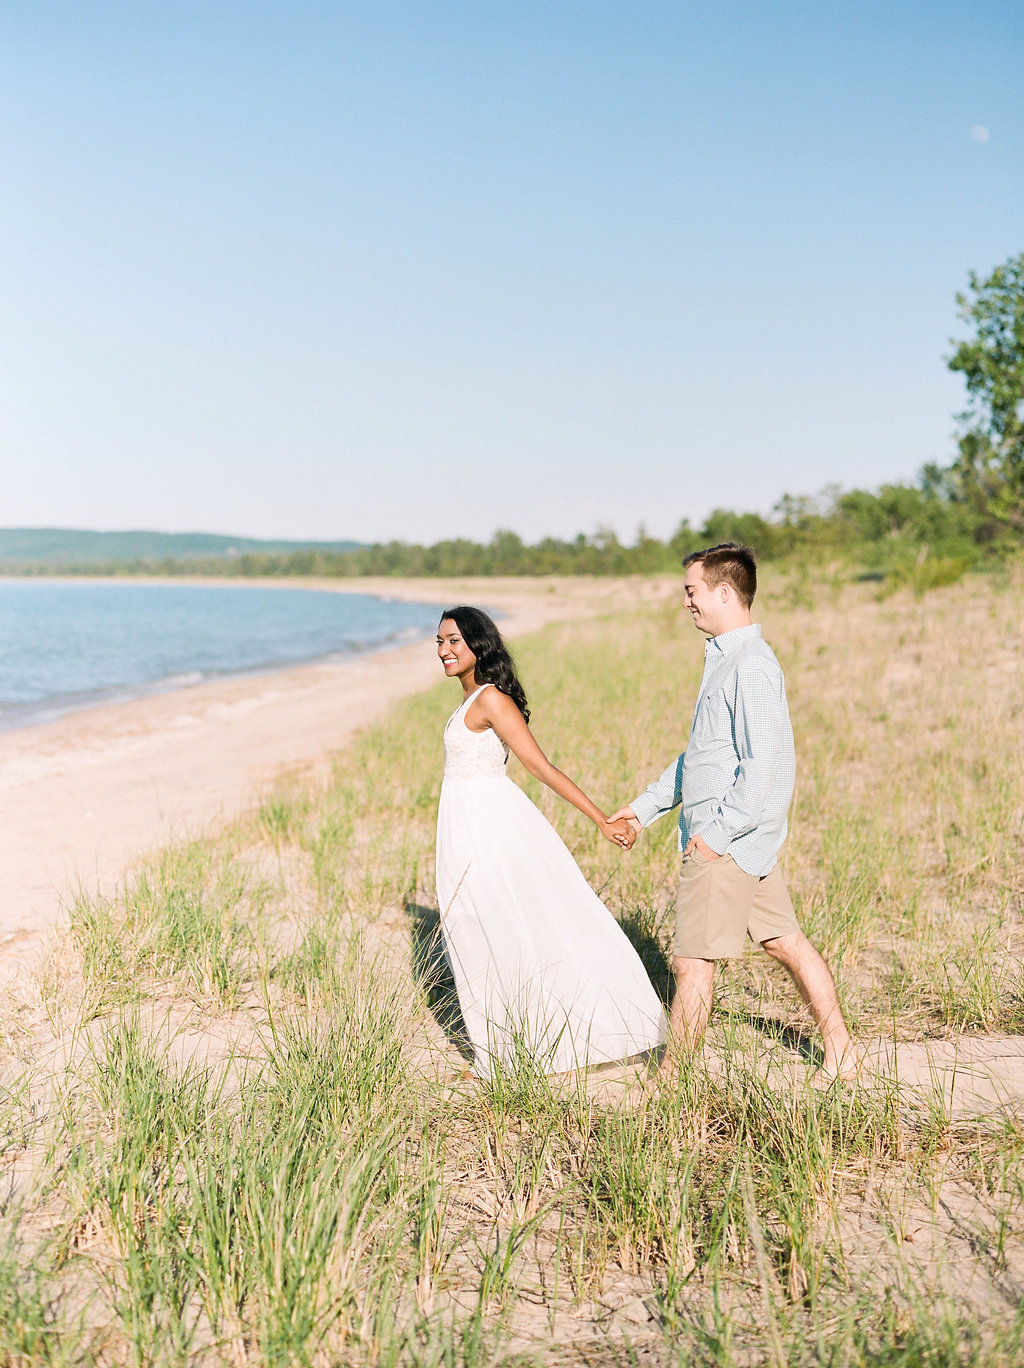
column 850, row 1070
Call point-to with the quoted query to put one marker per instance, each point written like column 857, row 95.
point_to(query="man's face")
column 705, row 604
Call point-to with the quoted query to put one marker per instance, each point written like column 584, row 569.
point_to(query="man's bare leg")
column 691, row 1006
column 817, row 987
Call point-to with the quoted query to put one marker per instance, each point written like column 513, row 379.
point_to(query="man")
column 733, row 785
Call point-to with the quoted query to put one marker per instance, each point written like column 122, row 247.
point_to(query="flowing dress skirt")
column 543, row 970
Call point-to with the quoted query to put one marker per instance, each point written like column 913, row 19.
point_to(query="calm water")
column 68, row 645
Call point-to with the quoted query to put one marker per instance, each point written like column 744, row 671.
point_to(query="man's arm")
column 658, row 798
column 758, row 725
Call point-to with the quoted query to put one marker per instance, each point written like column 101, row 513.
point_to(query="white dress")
column 543, row 969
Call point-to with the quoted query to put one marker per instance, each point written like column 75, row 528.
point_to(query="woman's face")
column 452, row 651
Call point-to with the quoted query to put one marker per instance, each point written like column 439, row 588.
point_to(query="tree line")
column 886, row 531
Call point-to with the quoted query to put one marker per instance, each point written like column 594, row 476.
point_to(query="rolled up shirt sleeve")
column 760, row 720
column 662, row 796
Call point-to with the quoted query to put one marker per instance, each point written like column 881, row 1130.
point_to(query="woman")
column 543, row 970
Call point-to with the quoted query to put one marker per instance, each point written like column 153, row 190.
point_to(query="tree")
column 991, row 462
column 749, row 529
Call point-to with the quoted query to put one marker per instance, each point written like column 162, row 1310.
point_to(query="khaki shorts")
column 718, row 906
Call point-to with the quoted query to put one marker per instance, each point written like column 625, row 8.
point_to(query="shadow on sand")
column 647, row 944
column 790, row 1036
column 432, row 973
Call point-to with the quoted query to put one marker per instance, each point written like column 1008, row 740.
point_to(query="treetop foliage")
column 990, row 467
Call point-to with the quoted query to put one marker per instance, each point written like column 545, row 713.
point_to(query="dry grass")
column 233, row 1128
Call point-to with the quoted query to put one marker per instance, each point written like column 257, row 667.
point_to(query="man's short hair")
column 728, row 563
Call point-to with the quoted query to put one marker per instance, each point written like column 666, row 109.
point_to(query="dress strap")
column 476, row 693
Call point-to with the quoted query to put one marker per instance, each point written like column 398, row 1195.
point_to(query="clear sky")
column 426, row 269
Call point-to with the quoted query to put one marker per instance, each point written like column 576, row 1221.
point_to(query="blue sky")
column 426, row 269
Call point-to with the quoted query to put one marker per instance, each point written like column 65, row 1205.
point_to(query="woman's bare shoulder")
column 495, row 707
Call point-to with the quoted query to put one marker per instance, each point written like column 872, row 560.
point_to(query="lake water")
column 66, row 645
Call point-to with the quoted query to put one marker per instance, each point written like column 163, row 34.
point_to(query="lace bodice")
column 472, row 755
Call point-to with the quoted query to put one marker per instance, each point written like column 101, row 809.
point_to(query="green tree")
column 750, row 529
column 991, row 461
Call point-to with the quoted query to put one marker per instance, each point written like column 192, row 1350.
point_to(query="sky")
column 424, row 270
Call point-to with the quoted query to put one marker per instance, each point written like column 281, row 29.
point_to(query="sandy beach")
column 87, row 796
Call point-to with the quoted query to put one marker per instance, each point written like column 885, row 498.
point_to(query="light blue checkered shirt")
column 735, row 778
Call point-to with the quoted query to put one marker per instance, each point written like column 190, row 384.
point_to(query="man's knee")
column 693, row 973
column 785, row 949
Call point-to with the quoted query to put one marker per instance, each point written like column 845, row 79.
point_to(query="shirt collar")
column 731, row 641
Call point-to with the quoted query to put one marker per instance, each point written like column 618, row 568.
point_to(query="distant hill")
column 73, row 546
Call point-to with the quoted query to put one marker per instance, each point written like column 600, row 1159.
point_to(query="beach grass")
column 235, row 1126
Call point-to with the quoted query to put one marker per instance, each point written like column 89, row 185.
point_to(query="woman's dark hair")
column 494, row 665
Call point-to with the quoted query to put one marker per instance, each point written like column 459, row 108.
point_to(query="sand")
column 85, row 797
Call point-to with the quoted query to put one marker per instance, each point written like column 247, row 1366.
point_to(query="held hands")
column 618, row 831
column 623, row 828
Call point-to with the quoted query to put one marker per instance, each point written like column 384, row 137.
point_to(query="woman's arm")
column 495, row 709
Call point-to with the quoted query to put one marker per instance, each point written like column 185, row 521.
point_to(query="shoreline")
column 60, row 706
column 93, row 792
column 17, row 716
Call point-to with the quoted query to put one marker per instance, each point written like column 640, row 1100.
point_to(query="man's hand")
column 619, row 832
column 699, row 845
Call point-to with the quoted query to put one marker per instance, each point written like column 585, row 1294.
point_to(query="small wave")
column 184, row 681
